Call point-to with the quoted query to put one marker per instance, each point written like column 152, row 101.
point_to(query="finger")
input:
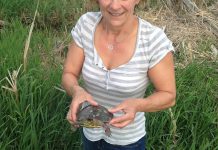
column 69, row 118
column 74, row 110
column 75, row 125
column 116, row 109
column 122, row 124
column 92, row 101
column 119, row 119
column 73, row 128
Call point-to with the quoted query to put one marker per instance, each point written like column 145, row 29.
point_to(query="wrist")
column 74, row 89
column 140, row 105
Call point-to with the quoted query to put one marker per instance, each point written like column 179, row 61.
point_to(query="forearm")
column 70, row 83
column 157, row 101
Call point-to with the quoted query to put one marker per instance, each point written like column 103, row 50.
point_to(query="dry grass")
column 27, row 44
column 12, row 81
column 186, row 30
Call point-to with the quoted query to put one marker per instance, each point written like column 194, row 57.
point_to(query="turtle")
column 95, row 117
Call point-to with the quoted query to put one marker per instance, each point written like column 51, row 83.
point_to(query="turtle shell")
column 93, row 116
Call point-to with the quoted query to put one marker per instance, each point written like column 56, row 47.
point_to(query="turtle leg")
column 107, row 129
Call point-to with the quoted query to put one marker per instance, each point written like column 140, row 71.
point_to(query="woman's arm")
column 72, row 68
column 163, row 78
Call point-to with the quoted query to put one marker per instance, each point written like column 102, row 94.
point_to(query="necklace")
column 110, row 46
column 113, row 45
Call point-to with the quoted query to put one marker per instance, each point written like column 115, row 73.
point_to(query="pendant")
column 110, row 46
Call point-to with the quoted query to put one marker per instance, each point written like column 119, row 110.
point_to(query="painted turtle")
column 95, row 117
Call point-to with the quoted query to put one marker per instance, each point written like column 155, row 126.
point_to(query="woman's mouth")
column 115, row 14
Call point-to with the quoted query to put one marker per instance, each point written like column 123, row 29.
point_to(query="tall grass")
column 36, row 119
column 51, row 13
column 195, row 112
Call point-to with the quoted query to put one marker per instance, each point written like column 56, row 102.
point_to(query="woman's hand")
column 79, row 96
column 129, row 108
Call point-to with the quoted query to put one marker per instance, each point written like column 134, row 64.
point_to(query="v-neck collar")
column 98, row 60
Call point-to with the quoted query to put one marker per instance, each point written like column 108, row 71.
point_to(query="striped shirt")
column 130, row 80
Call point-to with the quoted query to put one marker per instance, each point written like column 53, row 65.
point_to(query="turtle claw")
column 107, row 129
column 73, row 128
column 108, row 132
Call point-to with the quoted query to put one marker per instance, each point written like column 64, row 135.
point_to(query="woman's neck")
column 125, row 29
column 118, row 35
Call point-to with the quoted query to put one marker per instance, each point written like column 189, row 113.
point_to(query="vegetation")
column 33, row 108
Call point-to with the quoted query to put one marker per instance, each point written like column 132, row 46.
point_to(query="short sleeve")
column 76, row 32
column 159, row 46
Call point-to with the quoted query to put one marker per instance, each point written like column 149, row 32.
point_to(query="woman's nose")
column 115, row 4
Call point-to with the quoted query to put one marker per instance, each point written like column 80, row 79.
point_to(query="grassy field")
column 33, row 109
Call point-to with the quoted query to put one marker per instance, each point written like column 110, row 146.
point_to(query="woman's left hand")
column 129, row 108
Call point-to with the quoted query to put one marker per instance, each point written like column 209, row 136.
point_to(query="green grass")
column 195, row 112
column 36, row 119
column 51, row 13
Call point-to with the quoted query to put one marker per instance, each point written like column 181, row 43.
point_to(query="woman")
column 117, row 54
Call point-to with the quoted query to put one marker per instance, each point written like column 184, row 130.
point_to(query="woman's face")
column 117, row 12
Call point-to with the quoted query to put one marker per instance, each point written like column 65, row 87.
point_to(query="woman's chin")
column 117, row 23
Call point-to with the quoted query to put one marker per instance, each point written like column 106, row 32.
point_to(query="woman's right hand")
column 79, row 96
